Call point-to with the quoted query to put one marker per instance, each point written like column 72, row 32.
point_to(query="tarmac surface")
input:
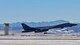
column 39, row 42
column 32, row 39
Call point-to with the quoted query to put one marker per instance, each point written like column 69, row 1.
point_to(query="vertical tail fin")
column 25, row 27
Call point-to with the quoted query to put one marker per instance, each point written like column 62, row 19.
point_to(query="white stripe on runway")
column 39, row 42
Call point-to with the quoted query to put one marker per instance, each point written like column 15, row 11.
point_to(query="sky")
column 39, row 10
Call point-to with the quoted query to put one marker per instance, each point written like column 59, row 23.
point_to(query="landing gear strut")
column 45, row 32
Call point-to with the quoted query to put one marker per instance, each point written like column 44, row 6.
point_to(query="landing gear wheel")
column 45, row 32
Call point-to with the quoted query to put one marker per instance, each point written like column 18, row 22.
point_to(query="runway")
column 39, row 42
column 32, row 39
